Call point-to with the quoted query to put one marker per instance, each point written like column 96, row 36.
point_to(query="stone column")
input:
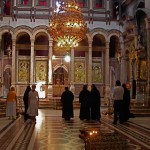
column 33, row 3
column 50, row 78
column 14, row 2
column 32, row 63
column 107, row 74
column 13, row 79
column 1, row 66
column 72, row 88
column 148, row 56
column 107, row 5
column 89, row 67
column 123, row 72
column 91, row 4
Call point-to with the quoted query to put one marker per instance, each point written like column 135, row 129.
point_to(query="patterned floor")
column 51, row 132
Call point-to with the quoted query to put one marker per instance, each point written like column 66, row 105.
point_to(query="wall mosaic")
column 97, row 72
column 80, row 72
column 41, row 71
column 143, row 70
column 23, row 70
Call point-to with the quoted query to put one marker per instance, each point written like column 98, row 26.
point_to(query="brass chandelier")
column 67, row 26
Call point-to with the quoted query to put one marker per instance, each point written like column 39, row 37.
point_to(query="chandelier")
column 67, row 26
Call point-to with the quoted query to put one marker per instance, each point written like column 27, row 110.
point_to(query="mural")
column 143, row 70
column 80, row 72
column 60, row 76
column 97, row 72
column 23, row 70
column 41, row 71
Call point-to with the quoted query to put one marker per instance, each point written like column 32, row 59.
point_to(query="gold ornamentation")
column 143, row 70
column 41, row 71
column 79, row 72
column 97, row 72
column 67, row 26
column 23, row 70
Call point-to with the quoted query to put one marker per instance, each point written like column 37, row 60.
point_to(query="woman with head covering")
column 33, row 104
column 11, row 104
column 25, row 99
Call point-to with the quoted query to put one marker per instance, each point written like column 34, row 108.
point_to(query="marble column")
column 14, row 2
column 123, row 72
column 107, row 5
column 72, row 87
column 50, row 78
column 91, row 4
column 13, row 79
column 32, row 63
column 1, row 70
column 89, row 67
column 33, row 3
column 148, row 56
column 107, row 74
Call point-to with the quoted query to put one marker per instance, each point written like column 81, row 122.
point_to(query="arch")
column 98, row 31
column 145, row 11
column 114, row 46
column 141, row 28
column 42, row 29
column 23, row 35
column 5, row 30
column 60, row 75
column 89, row 36
column 41, row 38
column 114, row 33
column 140, row 4
column 101, row 39
column 58, row 66
column 8, row 67
column 22, row 29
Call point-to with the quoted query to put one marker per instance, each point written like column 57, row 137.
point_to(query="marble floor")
column 51, row 132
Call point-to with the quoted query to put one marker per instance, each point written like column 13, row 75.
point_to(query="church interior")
column 59, row 43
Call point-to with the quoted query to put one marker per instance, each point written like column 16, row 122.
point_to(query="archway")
column 60, row 80
column 114, row 55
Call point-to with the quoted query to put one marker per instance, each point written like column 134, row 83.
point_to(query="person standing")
column 26, row 100
column 84, row 100
column 33, row 103
column 118, row 101
column 67, row 98
column 126, row 103
column 95, row 103
column 11, row 104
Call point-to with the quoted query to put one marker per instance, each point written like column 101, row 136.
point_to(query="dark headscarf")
column 25, row 97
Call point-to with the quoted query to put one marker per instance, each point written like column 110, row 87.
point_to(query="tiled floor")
column 51, row 132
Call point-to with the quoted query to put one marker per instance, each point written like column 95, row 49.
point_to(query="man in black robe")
column 126, row 103
column 95, row 103
column 67, row 98
column 84, row 100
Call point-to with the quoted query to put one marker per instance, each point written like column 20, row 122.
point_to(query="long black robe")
column 84, row 100
column 67, row 98
column 25, row 99
column 126, row 104
column 95, row 104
